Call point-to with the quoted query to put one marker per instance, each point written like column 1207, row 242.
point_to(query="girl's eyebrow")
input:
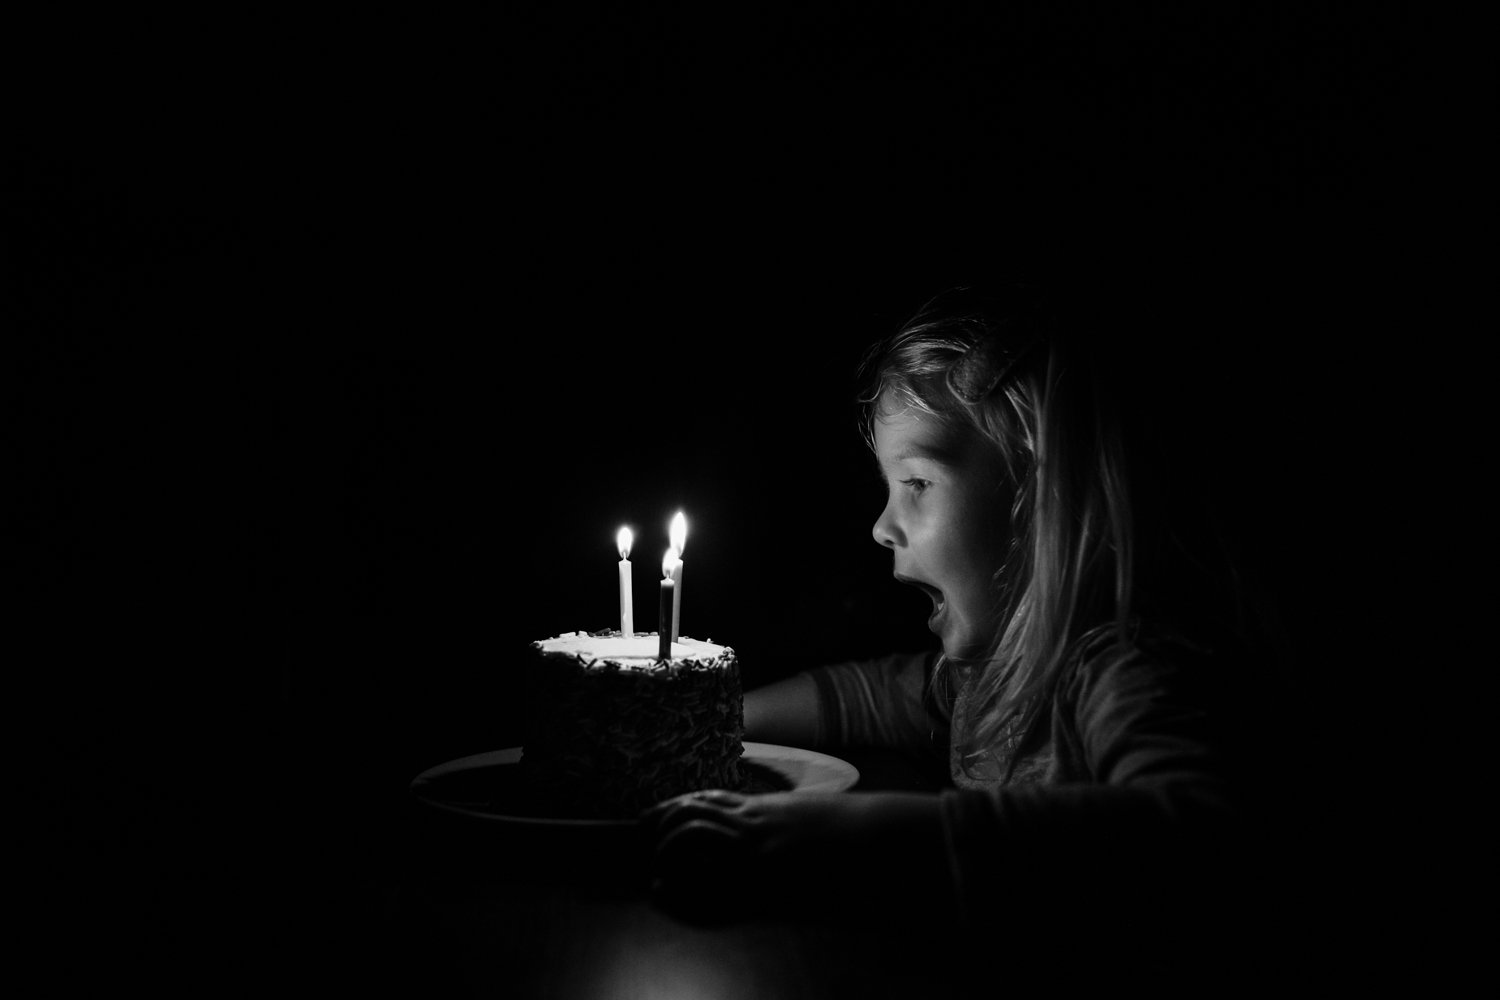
column 932, row 452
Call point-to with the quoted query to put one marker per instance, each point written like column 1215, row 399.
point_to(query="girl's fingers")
column 715, row 805
column 719, row 797
column 697, row 837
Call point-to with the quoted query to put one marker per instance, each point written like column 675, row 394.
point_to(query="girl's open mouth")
column 936, row 596
column 933, row 594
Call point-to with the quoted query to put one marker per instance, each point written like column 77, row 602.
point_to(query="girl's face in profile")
column 946, row 519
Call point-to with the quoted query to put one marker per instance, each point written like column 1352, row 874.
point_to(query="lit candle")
column 627, row 599
column 669, row 563
column 678, row 536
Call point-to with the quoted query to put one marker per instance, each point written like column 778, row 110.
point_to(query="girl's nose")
column 885, row 531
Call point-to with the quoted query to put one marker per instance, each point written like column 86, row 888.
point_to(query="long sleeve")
column 880, row 703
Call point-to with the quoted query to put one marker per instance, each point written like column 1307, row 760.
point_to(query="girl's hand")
column 758, row 827
column 724, row 854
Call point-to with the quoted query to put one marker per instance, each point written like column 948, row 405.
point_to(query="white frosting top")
column 639, row 652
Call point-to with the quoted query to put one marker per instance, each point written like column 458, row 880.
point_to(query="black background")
column 349, row 345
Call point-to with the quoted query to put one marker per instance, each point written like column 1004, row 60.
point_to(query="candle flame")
column 669, row 562
column 624, row 540
column 678, row 533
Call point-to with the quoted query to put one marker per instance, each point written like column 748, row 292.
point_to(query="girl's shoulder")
column 1138, row 647
column 1139, row 635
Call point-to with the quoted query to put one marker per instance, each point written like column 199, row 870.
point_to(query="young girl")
column 1095, row 678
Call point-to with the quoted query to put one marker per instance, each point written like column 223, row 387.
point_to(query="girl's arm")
column 860, row 703
column 785, row 712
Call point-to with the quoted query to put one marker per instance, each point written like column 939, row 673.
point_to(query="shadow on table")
column 529, row 910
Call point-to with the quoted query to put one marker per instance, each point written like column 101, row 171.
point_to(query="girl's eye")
column 915, row 484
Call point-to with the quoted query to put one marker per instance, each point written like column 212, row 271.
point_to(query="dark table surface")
column 500, row 916
column 449, row 905
column 472, row 907
column 340, row 891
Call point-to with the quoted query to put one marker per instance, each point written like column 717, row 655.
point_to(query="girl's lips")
column 938, row 607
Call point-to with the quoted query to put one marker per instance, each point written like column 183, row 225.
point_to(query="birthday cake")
column 612, row 729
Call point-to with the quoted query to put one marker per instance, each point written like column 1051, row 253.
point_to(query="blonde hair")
column 1047, row 408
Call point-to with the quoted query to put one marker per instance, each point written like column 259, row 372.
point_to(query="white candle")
column 627, row 599
column 677, row 533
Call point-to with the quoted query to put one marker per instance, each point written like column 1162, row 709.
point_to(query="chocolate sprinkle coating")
column 606, row 742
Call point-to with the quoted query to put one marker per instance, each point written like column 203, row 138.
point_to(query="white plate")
column 442, row 786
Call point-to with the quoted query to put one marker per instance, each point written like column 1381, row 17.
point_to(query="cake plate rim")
column 807, row 770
